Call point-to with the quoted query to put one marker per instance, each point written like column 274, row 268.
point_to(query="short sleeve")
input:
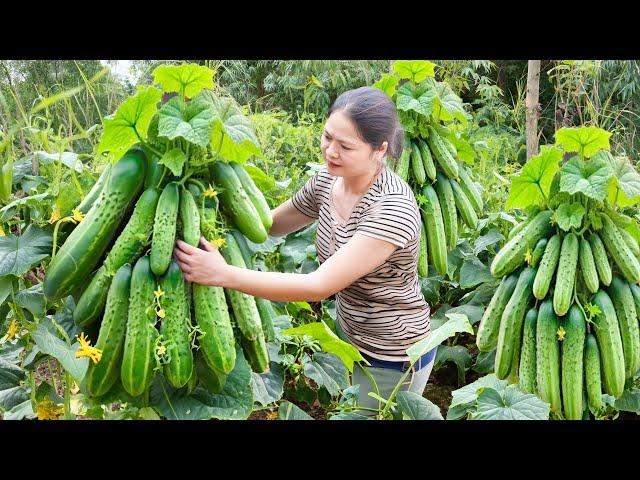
column 305, row 199
column 394, row 218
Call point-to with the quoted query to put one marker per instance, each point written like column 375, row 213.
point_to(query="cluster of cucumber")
column 449, row 192
column 126, row 276
column 564, row 319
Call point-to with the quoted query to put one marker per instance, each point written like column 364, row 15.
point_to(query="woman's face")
column 345, row 153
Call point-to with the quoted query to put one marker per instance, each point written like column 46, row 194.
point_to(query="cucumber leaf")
column 419, row 98
column 629, row 401
column 466, row 153
column 289, row 411
column 188, row 79
column 624, row 186
column 19, row 254
column 464, row 399
column 327, row 370
column 263, row 181
column 457, row 323
column 447, row 105
column 473, row 272
column 584, row 140
column 416, row 70
column 268, row 387
column 456, row 354
column 509, row 404
column 174, row 160
column 191, row 121
column 133, row 115
column 69, row 159
column 416, row 407
column 388, row 84
column 532, row 185
column 32, row 299
column 569, row 215
column 591, row 177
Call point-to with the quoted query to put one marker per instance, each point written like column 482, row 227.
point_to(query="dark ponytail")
column 374, row 115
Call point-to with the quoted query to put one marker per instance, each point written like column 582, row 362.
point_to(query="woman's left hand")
column 205, row 265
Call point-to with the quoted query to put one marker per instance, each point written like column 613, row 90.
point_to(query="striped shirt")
column 384, row 312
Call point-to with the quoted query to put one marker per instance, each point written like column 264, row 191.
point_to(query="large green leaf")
column 46, row 338
column 473, row 312
column 590, row 177
column 32, row 299
column 69, row 159
column 457, row 323
column 289, row 411
column 584, row 140
column 174, row 160
column 6, row 285
column 492, row 237
column 21, row 411
column 418, row 98
column 268, row 387
column 457, row 354
column 466, row 153
column 32, row 201
column 191, row 121
column 629, row 401
column 416, row 70
column 19, row 254
column 133, row 115
column 235, row 402
column 624, row 186
column 569, row 215
column 388, row 84
column 12, row 396
column 263, row 181
column 327, row 370
column 416, row 407
column 509, row 404
column 464, row 399
column 329, row 342
column 232, row 135
column 447, row 105
column 532, row 185
column 485, row 362
column 188, row 79
column 474, row 272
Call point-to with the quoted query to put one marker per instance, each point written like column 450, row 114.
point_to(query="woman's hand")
column 206, row 267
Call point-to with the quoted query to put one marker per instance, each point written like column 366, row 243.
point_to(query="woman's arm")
column 287, row 219
column 358, row 257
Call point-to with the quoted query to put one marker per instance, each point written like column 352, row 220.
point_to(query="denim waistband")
column 423, row 361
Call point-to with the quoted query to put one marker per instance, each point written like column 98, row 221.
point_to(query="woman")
column 368, row 239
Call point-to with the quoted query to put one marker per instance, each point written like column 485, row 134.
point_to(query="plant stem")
column 67, row 395
column 53, row 377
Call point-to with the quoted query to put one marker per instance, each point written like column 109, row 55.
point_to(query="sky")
column 120, row 68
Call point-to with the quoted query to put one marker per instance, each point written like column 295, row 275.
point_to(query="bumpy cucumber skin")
column 102, row 375
column 92, row 301
column 610, row 344
column 190, row 218
column 212, row 379
column 436, row 237
column 511, row 255
column 566, row 274
column 510, row 334
column 427, row 160
column 164, row 228
column 601, row 259
column 448, row 207
column 620, row 293
column 256, row 353
column 619, row 251
column 465, row 208
column 575, row 328
column 538, row 251
column 86, row 244
column 90, row 198
column 588, row 266
column 630, row 241
column 265, row 309
column 527, row 370
column 175, row 327
column 517, row 228
column 417, row 166
column 592, row 373
column 470, row 189
column 423, row 257
column 442, row 154
column 138, row 360
column 155, row 173
column 244, row 248
column 487, row 336
column 255, row 195
column 402, row 168
column 548, row 356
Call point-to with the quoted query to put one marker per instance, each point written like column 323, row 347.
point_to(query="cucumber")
column 527, row 370
column 402, row 168
column 265, row 309
column 91, row 303
column 469, row 188
column 538, row 251
column 511, row 255
column 619, row 251
column 244, row 248
column 442, row 155
column 609, row 344
column 103, row 375
column 256, row 353
column 592, row 373
column 572, row 363
column 236, row 202
column 155, row 173
column 487, row 336
column 427, row 159
column 417, row 167
column 86, row 244
column 467, row 212
column 423, row 256
column 254, row 194
column 164, row 228
column 635, row 291
column 448, row 207
column 566, row 274
column 212, row 379
column 138, row 359
column 600, row 258
column 630, row 241
column 625, row 307
column 510, row 334
column 548, row 356
column 434, row 224
column 517, row 228
column 588, row 266
column 190, row 218
column 175, row 327
column 91, row 197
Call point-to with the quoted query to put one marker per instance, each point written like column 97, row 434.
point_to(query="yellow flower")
column 78, row 216
column 47, row 410
column 528, row 256
column 218, row 242
column 159, row 292
column 2, row 234
column 210, row 192
column 161, row 350
column 12, row 330
column 160, row 312
column 55, row 215
column 561, row 333
column 272, row 415
column 86, row 350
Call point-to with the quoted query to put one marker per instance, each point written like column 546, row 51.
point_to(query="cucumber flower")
column 86, row 350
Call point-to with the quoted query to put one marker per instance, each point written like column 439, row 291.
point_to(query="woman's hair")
column 374, row 115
